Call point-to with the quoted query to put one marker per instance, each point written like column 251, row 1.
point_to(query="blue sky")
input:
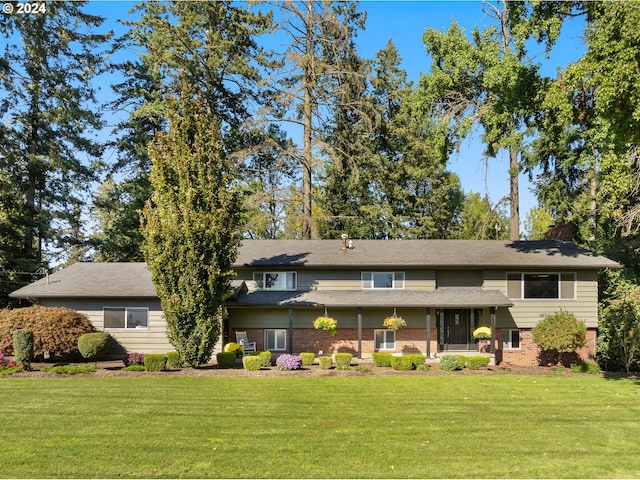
column 404, row 22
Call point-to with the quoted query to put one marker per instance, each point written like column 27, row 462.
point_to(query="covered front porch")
column 441, row 320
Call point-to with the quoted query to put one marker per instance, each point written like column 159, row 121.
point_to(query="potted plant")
column 394, row 322
column 482, row 334
column 326, row 323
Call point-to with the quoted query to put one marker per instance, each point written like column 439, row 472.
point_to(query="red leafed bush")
column 55, row 330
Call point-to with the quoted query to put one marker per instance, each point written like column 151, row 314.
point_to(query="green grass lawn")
column 321, row 427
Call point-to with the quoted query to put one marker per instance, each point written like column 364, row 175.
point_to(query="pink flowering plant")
column 394, row 322
column 8, row 366
column 134, row 359
column 289, row 362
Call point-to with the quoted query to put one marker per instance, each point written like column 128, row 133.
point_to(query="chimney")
column 563, row 232
column 344, row 241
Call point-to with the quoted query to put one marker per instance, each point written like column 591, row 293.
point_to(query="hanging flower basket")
column 394, row 322
column 326, row 323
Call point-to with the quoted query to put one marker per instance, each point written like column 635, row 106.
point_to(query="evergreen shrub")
column 155, row 362
column 417, row 359
column 382, row 359
column 55, row 330
column 343, row 360
column 402, row 363
column 226, row 359
column 449, row 363
column 252, row 363
column 94, row 345
column 325, row 362
column 173, row 360
column 307, row 358
column 23, row 347
column 235, row 348
column 477, row 362
column 265, row 357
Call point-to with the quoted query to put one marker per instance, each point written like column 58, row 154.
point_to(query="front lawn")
column 320, row 427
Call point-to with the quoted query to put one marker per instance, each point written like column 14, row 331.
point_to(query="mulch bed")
column 363, row 368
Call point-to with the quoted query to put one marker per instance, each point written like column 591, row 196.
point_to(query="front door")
column 456, row 330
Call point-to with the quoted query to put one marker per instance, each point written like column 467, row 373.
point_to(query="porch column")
column 428, row 333
column 360, row 333
column 492, row 347
column 290, row 331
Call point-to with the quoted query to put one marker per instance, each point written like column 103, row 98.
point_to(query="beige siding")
column 318, row 279
column 527, row 313
column 459, row 278
column 150, row 340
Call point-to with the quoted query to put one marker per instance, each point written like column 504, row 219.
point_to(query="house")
column 444, row 289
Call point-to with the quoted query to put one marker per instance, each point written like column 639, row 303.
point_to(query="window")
column 383, row 280
column 510, row 339
column 385, row 339
column 275, row 340
column 541, row 285
column 275, row 280
column 125, row 317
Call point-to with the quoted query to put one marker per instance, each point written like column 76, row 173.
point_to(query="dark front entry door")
column 457, row 330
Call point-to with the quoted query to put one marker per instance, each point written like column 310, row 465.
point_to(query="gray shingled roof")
column 419, row 254
column 134, row 279
column 440, row 298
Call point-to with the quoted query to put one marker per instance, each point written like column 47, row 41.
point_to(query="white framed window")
column 541, row 285
column 385, row 339
column 126, row 317
column 275, row 280
column 382, row 280
column 510, row 339
column 275, row 339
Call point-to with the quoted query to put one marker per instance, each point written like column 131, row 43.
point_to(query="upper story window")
column 275, row 280
column 541, row 285
column 125, row 317
column 383, row 280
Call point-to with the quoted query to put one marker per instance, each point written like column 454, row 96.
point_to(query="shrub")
column 449, row 363
column 134, row 359
column 288, row 362
column 94, row 345
column 135, row 368
column 417, row 359
column 235, row 348
column 477, row 362
column 8, row 366
column 23, row 347
column 402, row 363
column 55, row 330
column 586, row 367
column 66, row 369
column 381, row 359
column 155, row 362
column 226, row 359
column 343, row 360
column 561, row 331
column 252, row 363
column 264, row 356
column 307, row 358
column 363, row 369
column 173, row 360
column 423, row 368
column 325, row 362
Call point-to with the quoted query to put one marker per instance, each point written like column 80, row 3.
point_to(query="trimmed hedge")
column 55, row 330
column 94, row 345
column 252, row 363
column 402, row 363
column 307, row 358
column 449, row 363
column 325, row 362
column 235, row 348
column 343, row 360
column 155, row 362
column 477, row 362
column 417, row 359
column 23, row 348
column 381, row 359
column 226, row 359
column 173, row 360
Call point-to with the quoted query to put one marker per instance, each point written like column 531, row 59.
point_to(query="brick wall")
column 530, row 354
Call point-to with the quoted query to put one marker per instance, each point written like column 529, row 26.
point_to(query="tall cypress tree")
column 191, row 225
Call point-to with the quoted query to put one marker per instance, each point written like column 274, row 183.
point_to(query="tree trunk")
column 514, row 229
column 307, row 112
